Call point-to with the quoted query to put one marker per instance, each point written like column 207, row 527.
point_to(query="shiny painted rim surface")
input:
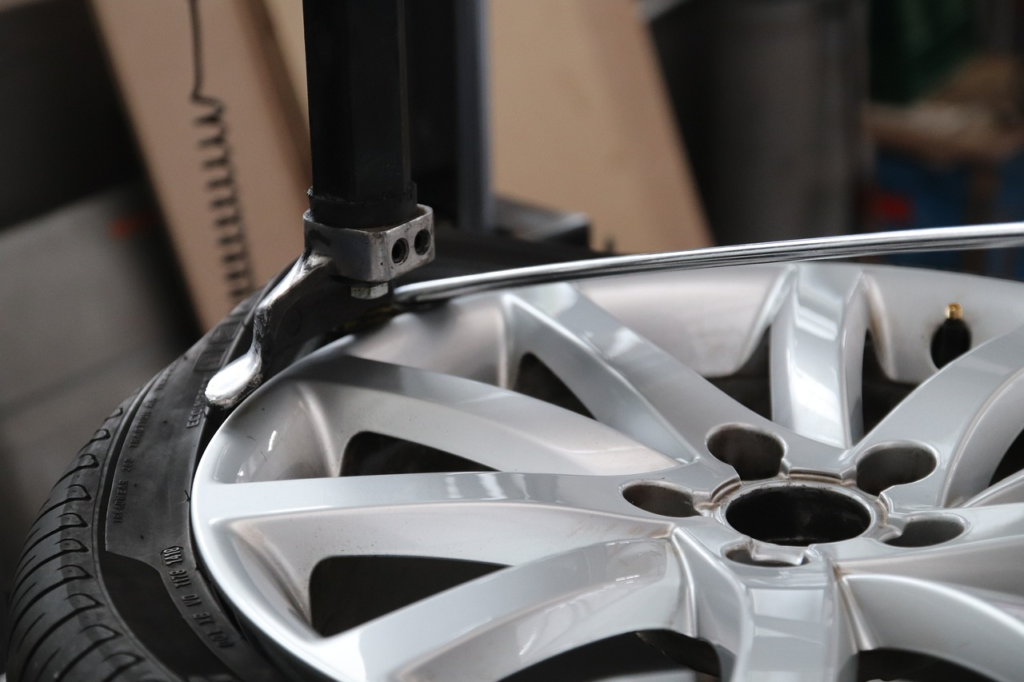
column 630, row 521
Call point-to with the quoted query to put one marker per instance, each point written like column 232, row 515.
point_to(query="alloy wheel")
column 762, row 470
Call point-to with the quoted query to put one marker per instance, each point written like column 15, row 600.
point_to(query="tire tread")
column 62, row 627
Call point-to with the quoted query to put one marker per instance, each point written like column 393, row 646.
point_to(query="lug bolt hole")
column 421, row 243
column 927, row 532
column 659, row 499
column 399, row 251
column 754, row 454
column 893, row 465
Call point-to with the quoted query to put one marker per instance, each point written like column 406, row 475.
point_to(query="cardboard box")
column 202, row 83
column 582, row 122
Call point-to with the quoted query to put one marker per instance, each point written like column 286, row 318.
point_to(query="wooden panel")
column 581, row 121
column 216, row 137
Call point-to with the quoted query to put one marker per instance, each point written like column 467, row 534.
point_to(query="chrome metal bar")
column 818, row 248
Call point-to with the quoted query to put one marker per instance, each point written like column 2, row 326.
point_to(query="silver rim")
column 790, row 544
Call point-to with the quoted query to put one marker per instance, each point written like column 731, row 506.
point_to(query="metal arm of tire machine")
column 364, row 227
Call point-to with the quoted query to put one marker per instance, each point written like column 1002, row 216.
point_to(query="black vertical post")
column 358, row 113
column 475, row 200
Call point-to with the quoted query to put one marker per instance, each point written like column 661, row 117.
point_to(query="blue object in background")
column 910, row 193
column 1008, row 207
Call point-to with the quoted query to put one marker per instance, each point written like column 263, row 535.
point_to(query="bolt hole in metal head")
column 894, row 464
column 421, row 243
column 798, row 515
column 753, row 453
column 399, row 251
column 660, row 499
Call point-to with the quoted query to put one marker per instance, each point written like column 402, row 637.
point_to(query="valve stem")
column 953, row 337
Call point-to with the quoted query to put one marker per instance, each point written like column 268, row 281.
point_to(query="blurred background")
column 154, row 159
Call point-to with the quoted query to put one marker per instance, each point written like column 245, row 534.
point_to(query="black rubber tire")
column 108, row 586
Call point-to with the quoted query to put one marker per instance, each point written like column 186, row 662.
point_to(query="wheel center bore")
column 798, row 515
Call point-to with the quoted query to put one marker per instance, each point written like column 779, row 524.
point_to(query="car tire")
column 108, row 586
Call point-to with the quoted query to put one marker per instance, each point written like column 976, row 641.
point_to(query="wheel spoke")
column 512, row 619
column 800, row 632
column 978, row 629
column 493, row 426
column 968, row 414
column 986, row 555
column 770, row 623
column 1007, row 491
column 775, row 623
column 817, row 351
column 623, row 379
column 455, row 516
